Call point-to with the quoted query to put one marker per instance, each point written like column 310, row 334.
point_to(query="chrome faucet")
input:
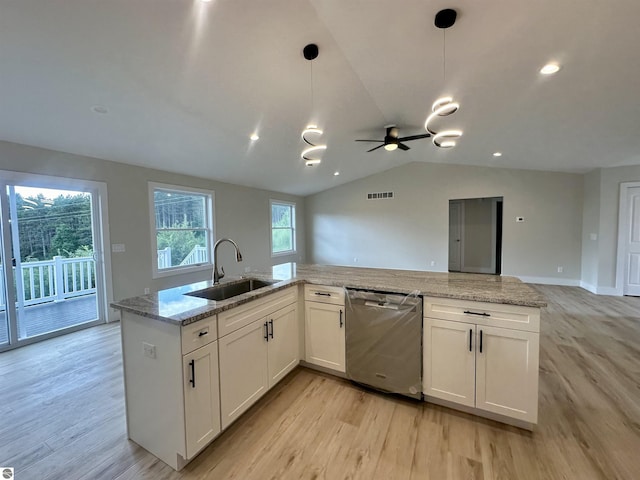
column 218, row 275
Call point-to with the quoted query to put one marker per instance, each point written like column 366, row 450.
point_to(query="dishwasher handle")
column 388, row 306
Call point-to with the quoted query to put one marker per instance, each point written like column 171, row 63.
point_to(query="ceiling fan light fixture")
column 390, row 147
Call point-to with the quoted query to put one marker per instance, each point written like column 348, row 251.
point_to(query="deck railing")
column 53, row 280
column 197, row 254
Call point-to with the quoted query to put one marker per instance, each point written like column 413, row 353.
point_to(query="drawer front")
column 490, row 314
column 319, row 293
column 235, row 318
column 198, row 334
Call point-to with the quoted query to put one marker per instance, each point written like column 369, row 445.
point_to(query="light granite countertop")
column 175, row 306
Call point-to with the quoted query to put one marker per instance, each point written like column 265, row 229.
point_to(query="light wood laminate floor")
column 62, row 415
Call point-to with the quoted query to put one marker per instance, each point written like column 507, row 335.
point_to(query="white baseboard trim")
column 567, row 282
column 588, row 287
column 609, row 291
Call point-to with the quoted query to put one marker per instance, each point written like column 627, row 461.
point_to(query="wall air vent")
column 380, row 196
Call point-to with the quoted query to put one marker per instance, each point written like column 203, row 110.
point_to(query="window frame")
column 293, row 207
column 209, row 229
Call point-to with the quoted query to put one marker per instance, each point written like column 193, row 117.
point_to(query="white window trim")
column 293, row 228
column 167, row 272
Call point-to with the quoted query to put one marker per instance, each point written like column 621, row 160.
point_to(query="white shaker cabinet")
column 482, row 356
column 254, row 357
column 449, row 361
column 201, row 397
column 507, row 372
column 324, row 327
column 244, row 375
column 166, row 414
column 283, row 343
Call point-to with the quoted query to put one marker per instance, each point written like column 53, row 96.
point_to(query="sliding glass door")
column 52, row 283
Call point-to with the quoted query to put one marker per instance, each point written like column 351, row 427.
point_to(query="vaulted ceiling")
column 185, row 83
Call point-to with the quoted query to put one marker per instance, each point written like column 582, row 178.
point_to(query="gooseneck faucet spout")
column 218, row 275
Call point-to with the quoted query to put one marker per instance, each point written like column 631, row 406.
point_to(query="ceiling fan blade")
column 402, row 146
column 379, row 141
column 375, row 148
column 414, row 137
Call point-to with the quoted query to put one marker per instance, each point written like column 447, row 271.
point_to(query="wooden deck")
column 49, row 317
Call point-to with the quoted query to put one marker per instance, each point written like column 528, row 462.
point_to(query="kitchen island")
column 193, row 366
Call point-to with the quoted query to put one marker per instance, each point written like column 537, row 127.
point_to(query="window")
column 182, row 228
column 283, row 228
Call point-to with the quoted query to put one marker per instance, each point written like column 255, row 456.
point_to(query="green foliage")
column 58, row 227
column 181, row 242
column 282, row 227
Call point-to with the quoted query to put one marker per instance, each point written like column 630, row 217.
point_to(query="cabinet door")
column 283, row 343
column 201, row 397
column 507, row 372
column 324, row 335
column 449, row 360
column 243, row 370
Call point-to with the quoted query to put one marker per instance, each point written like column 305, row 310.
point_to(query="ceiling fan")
column 392, row 141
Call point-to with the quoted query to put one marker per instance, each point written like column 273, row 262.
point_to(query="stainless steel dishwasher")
column 384, row 341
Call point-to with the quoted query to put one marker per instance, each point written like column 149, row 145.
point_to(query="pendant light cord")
column 444, row 56
column 312, row 99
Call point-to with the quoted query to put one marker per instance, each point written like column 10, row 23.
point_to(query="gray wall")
column 241, row 213
column 611, row 178
column 478, row 235
column 411, row 230
column 590, row 225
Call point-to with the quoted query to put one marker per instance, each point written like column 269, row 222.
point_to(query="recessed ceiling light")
column 254, row 137
column 206, row 1
column 100, row 109
column 335, row 174
column 497, row 154
column 550, row 69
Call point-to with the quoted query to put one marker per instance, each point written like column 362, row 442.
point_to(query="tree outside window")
column 283, row 239
column 183, row 230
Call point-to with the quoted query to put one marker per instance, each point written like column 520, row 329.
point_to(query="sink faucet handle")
column 221, row 275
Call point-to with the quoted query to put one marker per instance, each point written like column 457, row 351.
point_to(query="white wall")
column 241, row 213
column 411, row 230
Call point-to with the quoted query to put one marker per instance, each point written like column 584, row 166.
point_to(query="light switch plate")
column 117, row 247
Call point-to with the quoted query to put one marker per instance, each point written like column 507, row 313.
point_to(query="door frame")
column 460, row 242
column 102, row 241
column 623, row 231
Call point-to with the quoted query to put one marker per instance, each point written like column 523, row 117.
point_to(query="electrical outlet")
column 560, row 269
column 146, row 290
column 247, row 269
column 149, row 350
column 433, row 263
column 355, row 259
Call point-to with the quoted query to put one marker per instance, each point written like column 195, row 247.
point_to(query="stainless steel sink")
column 226, row 291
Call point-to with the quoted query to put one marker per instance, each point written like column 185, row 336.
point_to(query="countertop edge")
column 212, row 307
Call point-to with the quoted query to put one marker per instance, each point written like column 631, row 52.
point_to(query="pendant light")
column 443, row 106
column 310, row 155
